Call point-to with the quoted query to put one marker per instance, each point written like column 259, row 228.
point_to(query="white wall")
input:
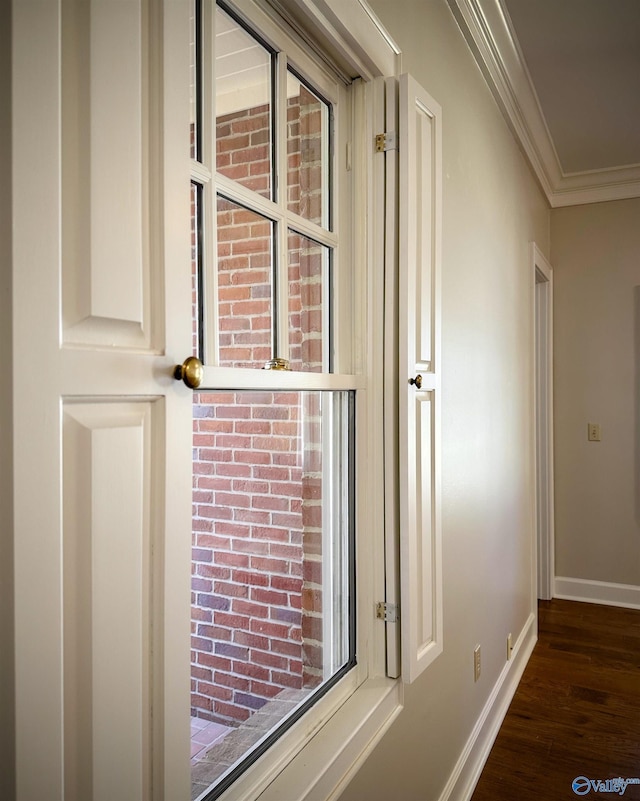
column 7, row 753
column 596, row 260
column 493, row 209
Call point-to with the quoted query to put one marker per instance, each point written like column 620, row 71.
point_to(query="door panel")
column 419, row 209
column 108, row 545
column 102, row 477
column 425, row 546
column 425, row 314
column 106, row 187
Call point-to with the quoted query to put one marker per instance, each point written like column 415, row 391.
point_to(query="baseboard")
column 467, row 771
column 597, row 592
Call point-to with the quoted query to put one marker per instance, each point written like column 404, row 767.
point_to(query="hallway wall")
column 493, row 210
column 595, row 253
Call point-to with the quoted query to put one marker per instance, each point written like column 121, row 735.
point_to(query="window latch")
column 277, row 364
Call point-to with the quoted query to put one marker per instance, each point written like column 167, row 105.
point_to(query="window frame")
column 323, row 748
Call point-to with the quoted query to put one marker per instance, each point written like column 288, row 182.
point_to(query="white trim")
column 484, row 25
column 219, row 379
column 569, row 194
column 373, row 702
column 358, row 39
column 468, row 768
column 541, row 262
column 388, row 243
column 322, row 770
column 488, row 30
column 542, row 278
column 597, row 592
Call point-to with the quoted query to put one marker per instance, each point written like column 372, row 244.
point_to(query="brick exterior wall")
column 256, row 553
column 257, row 487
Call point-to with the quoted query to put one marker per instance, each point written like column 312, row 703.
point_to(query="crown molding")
column 487, row 29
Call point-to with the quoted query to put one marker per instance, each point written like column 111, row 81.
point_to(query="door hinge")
column 386, row 141
column 390, row 613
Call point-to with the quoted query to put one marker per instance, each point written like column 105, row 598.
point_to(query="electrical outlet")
column 509, row 646
column 477, row 665
column 593, row 432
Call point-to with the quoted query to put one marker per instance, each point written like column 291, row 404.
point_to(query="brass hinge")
column 390, row 613
column 386, row 141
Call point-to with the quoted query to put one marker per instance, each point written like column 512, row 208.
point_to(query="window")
column 274, row 528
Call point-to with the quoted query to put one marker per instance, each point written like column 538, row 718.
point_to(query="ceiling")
column 583, row 57
column 566, row 73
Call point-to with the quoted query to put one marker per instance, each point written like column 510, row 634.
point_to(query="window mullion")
column 199, row 173
column 207, row 91
column 209, row 241
column 281, row 260
column 234, row 191
column 210, row 338
column 312, row 230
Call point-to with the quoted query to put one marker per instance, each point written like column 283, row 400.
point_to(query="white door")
column 102, row 470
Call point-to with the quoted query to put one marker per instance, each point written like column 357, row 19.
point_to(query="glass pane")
column 243, row 106
column 196, row 270
column 245, row 286
column 308, row 294
column 272, row 565
column 307, row 153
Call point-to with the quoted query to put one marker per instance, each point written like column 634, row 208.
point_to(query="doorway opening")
column 543, row 337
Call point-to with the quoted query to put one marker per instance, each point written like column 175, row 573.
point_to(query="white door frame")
column 542, row 274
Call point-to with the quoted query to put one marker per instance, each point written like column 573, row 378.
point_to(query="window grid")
column 302, row 239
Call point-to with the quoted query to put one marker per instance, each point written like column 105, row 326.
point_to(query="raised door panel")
column 108, row 103
column 109, row 453
column 425, row 557
column 425, row 220
column 419, row 250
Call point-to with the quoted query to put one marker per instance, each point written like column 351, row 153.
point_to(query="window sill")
column 326, row 763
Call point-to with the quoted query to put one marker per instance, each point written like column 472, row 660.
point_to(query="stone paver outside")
column 232, row 746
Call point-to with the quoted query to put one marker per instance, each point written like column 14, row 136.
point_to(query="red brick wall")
column 247, row 555
column 243, row 150
column 245, row 319
column 257, row 561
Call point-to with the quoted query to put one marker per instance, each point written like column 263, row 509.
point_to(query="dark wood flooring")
column 576, row 711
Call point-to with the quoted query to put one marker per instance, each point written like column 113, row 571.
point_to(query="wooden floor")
column 576, row 711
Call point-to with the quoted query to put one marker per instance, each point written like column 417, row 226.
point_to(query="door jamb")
column 542, row 274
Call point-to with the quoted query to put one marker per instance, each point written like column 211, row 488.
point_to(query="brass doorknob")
column 417, row 381
column 190, row 371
